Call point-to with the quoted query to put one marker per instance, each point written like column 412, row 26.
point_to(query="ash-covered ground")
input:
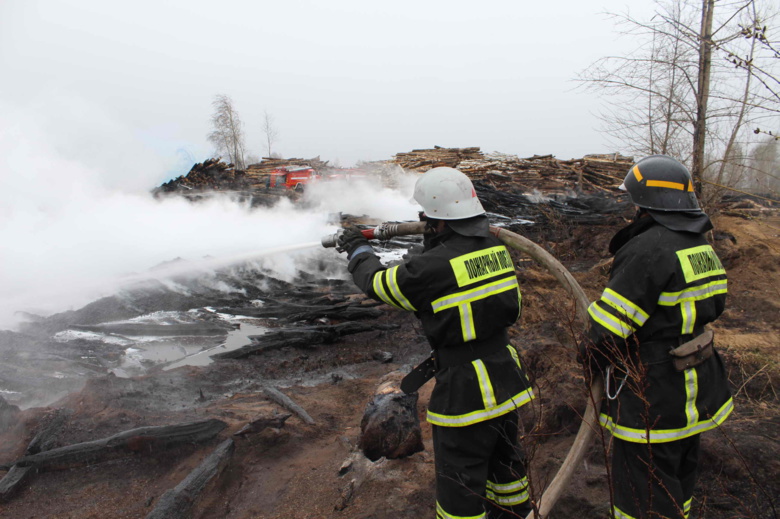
column 143, row 357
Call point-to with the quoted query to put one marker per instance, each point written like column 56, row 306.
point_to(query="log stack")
column 540, row 172
column 543, row 173
column 425, row 159
column 217, row 175
column 213, row 174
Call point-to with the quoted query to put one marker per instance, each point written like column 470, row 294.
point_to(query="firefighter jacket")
column 664, row 287
column 465, row 293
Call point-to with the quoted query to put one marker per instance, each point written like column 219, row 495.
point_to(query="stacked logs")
column 541, row 172
column 592, row 173
column 216, row 175
column 213, row 174
column 426, row 159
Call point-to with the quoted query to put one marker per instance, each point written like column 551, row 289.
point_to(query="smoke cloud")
column 76, row 216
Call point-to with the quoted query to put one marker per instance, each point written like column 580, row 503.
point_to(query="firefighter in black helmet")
column 464, row 291
column 665, row 382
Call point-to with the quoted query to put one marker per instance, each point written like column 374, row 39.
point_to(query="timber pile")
column 426, row 159
column 214, row 174
column 210, row 175
column 540, row 172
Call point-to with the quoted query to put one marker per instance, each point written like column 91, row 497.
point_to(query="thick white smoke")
column 72, row 228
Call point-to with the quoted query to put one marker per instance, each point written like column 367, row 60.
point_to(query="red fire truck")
column 292, row 178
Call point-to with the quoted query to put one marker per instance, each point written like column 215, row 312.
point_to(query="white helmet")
column 447, row 194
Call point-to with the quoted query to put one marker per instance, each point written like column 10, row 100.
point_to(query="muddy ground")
column 296, row 471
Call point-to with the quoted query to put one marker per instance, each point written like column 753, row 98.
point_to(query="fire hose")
column 589, row 423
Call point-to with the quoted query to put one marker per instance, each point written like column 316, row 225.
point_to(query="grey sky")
column 110, row 82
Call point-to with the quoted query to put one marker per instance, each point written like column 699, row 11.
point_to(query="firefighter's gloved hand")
column 353, row 242
column 591, row 357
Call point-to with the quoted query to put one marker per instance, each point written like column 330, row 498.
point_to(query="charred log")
column 177, row 502
column 286, row 402
column 390, row 426
column 13, row 480
column 262, row 423
column 42, row 441
column 146, row 439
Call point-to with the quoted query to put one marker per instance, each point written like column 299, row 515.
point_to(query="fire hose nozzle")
column 383, row 231
column 331, row 240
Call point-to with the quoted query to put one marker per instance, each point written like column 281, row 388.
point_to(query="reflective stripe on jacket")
column 465, row 292
column 664, row 285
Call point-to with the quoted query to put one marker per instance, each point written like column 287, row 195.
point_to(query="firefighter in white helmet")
column 464, row 291
column 665, row 382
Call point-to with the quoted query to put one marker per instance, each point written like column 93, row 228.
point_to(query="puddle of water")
column 233, row 341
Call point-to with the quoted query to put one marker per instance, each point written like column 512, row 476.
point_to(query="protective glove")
column 591, row 357
column 353, row 242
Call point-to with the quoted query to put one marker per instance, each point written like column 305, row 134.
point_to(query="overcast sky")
column 121, row 82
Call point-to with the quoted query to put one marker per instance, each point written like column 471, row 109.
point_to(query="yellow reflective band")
column 441, row 514
column 691, row 392
column 637, row 174
column 481, row 265
column 467, row 322
column 687, row 507
column 513, row 353
column 463, row 300
column 666, row 184
column 485, row 387
column 508, row 488
column 475, row 294
column 690, row 186
column 609, row 321
column 620, row 514
column 379, row 289
column 481, row 415
column 512, row 500
column 698, row 293
column 630, row 434
column 392, row 274
column 699, row 262
column 688, row 310
column 625, row 306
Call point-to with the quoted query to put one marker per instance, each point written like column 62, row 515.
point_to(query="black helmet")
column 662, row 183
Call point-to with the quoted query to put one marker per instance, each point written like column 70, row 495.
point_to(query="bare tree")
column 270, row 132
column 695, row 79
column 228, row 134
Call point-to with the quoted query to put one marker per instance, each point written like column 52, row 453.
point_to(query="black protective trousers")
column 480, row 470
column 656, row 480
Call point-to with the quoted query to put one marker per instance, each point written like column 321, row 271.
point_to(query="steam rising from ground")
column 72, row 232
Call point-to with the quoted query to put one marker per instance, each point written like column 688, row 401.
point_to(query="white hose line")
column 590, row 417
